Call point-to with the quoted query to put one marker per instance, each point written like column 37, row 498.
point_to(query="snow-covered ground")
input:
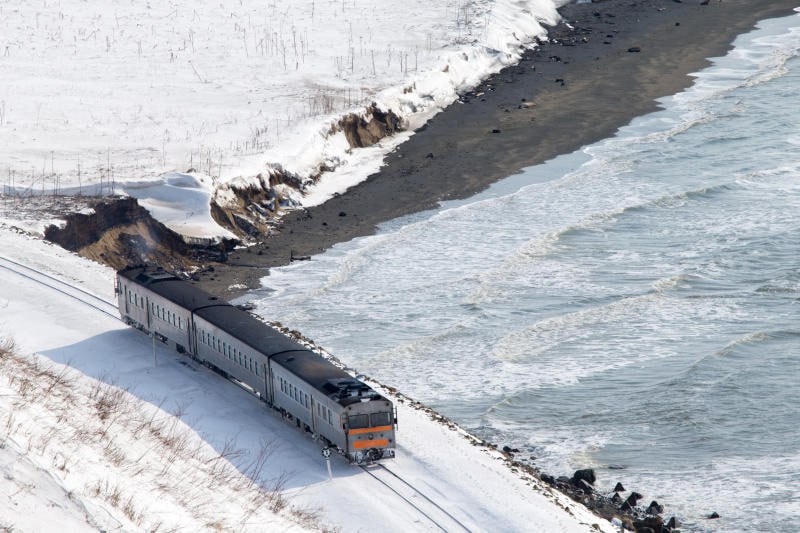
column 62, row 463
column 97, row 96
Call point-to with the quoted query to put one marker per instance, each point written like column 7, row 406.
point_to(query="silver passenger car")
column 320, row 397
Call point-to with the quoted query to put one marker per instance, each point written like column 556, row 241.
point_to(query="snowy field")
column 71, row 466
column 97, row 96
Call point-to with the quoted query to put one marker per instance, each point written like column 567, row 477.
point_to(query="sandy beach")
column 605, row 67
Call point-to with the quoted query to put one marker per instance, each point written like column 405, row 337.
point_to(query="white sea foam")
column 636, row 310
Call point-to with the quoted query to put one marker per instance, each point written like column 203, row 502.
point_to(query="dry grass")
column 144, row 448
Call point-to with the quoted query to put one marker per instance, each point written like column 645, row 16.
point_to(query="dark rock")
column 635, row 49
column 430, row 155
column 550, row 480
column 672, row 523
column 654, row 508
column 618, row 487
column 634, row 498
column 651, row 523
column 507, row 449
column 713, row 515
column 342, row 214
column 495, row 130
column 616, row 498
column 587, row 475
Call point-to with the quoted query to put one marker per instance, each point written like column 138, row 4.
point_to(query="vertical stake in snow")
column 326, row 453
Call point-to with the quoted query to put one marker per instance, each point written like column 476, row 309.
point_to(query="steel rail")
column 56, row 284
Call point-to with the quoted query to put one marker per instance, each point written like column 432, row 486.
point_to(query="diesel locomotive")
column 342, row 411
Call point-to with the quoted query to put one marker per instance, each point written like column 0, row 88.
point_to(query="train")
column 345, row 413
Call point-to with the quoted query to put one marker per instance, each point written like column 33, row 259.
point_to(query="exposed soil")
column 120, row 232
column 607, row 66
column 618, row 57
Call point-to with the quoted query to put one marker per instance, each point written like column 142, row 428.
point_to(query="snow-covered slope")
column 122, row 474
column 93, row 95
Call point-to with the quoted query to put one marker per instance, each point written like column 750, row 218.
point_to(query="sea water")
column 633, row 307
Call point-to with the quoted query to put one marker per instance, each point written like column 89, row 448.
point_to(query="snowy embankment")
column 113, row 95
column 99, row 433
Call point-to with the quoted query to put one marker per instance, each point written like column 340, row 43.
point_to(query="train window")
column 380, row 419
column 306, row 396
column 358, row 421
column 330, row 418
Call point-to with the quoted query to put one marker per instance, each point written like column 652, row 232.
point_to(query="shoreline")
column 595, row 75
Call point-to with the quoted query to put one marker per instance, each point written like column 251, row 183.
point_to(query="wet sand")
column 610, row 67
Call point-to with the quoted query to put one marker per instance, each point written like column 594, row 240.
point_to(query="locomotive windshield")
column 358, row 421
column 381, row 419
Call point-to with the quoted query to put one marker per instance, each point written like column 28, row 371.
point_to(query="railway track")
column 424, row 505
column 61, row 286
column 439, row 517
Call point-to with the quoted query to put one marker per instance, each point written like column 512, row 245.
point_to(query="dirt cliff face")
column 120, row 232
column 252, row 211
column 367, row 129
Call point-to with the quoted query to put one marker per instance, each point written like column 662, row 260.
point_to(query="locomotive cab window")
column 358, row 421
column 380, row 419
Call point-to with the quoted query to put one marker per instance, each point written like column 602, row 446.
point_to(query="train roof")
column 298, row 359
column 171, row 287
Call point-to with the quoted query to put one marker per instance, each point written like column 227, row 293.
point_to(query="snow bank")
column 98, row 94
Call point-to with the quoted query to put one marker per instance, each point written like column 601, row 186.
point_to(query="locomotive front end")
column 370, row 429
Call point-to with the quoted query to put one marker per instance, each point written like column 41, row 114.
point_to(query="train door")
column 267, row 395
column 313, row 415
column 192, row 335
